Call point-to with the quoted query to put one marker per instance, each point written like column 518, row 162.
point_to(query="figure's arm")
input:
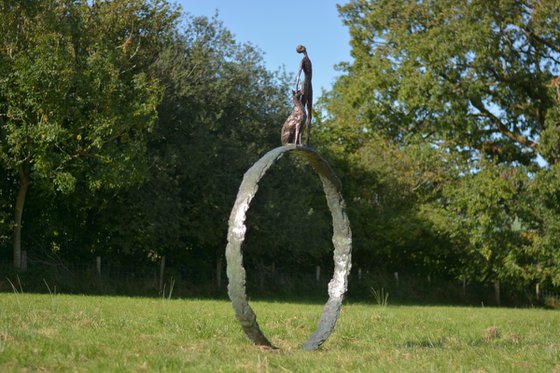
column 298, row 75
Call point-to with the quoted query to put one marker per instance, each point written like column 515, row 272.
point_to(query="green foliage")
column 440, row 120
column 73, row 101
column 221, row 109
column 289, row 224
column 389, row 190
column 487, row 214
column 465, row 75
column 546, row 246
column 133, row 127
column 76, row 95
column 144, row 129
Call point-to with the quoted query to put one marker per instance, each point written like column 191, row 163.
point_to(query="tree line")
column 448, row 120
column 126, row 127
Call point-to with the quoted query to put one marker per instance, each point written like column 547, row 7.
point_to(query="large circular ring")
column 342, row 240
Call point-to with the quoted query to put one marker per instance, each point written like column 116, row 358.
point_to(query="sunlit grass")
column 81, row 333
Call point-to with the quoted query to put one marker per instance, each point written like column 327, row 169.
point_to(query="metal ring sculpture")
column 342, row 240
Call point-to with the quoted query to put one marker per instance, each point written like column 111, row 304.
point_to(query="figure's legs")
column 308, row 122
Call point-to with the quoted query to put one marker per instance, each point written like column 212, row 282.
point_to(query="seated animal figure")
column 293, row 126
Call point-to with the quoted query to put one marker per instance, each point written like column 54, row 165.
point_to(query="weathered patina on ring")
column 342, row 240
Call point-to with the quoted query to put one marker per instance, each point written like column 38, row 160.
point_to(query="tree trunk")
column 20, row 202
column 497, row 292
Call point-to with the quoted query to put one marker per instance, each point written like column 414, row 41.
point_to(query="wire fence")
column 163, row 278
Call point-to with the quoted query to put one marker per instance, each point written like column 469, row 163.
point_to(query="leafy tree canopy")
column 474, row 76
column 76, row 93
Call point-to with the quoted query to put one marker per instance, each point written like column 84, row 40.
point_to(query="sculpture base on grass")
column 342, row 241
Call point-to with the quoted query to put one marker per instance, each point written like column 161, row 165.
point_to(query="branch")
column 477, row 103
column 543, row 41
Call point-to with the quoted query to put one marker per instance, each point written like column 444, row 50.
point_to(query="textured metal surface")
column 342, row 241
column 294, row 124
column 306, row 87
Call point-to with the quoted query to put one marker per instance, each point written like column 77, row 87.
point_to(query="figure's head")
column 300, row 49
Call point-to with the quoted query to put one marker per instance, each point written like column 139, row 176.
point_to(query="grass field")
column 81, row 333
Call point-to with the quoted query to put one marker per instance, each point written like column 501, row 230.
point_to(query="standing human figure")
column 306, row 87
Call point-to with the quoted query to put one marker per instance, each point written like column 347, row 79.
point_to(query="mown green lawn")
column 85, row 333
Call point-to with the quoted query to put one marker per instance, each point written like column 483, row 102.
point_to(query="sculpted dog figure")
column 293, row 126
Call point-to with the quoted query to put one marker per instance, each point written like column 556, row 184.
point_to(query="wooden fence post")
column 161, row 272
column 396, row 274
column 497, row 292
column 23, row 266
column 98, row 265
column 219, row 273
